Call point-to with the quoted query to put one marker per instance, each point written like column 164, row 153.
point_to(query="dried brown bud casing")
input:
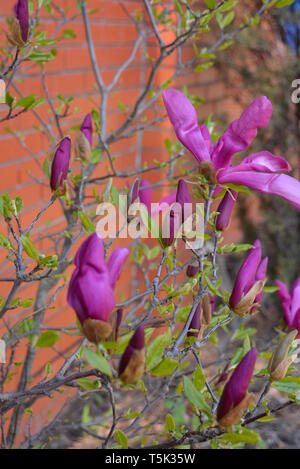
column 236, row 413
column 208, row 170
column 247, row 301
column 15, row 36
column 82, row 147
column 96, row 330
column 206, row 310
column 135, row 367
column 279, row 361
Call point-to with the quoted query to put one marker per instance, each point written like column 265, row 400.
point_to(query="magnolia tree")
column 138, row 369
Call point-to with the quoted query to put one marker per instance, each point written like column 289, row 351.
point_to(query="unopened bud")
column 248, row 300
column 236, row 413
column 192, row 270
column 279, row 361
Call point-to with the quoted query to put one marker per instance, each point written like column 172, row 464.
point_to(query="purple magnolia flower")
column 132, row 362
column 249, row 283
column 22, row 15
column 234, row 401
column 225, row 209
column 91, row 288
column 60, row 166
column 256, row 171
column 290, row 300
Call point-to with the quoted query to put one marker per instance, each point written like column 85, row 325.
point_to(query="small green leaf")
column 288, row 385
column 210, row 4
column 88, row 384
column 26, row 102
column 165, row 367
column 47, row 339
column 121, row 439
column 30, row 248
column 96, row 360
column 87, row 223
column 68, row 34
column 283, row 3
column 155, row 350
column 194, row 396
column 247, row 436
column 86, row 416
column 170, row 424
column 270, row 289
column 198, row 378
column 5, row 243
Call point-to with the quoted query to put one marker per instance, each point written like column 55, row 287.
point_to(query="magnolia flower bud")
column 225, row 209
column 132, row 362
column 279, row 361
column 192, row 270
column 91, row 288
column 19, row 24
column 83, row 140
column 249, row 283
column 60, row 167
column 195, row 326
column 234, row 400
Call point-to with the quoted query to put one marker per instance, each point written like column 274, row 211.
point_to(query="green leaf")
column 96, row 360
column 26, row 102
column 194, row 396
column 87, row 223
column 86, row 416
column 170, row 425
column 88, row 384
column 270, row 289
column 42, row 56
column 156, row 349
column 121, row 439
column 9, row 100
column 96, row 155
column 210, row 4
column 27, row 303
column 165, row 367
column 232, row 247
column 69, row 34
column 5, row 243
column 247, row 436
column 283, row 3
column 47, row 339
column 30, row 248
column 18, row 204
column 198, row 378
column 288, row 385
column 225, row 21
